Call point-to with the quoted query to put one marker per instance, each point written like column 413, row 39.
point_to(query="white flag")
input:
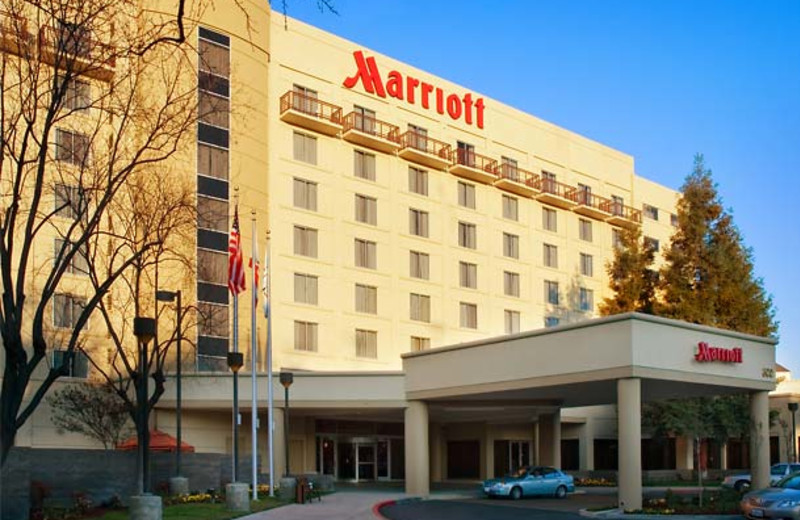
column 265, row 282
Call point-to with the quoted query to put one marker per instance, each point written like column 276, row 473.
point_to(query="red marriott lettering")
column 410, row 89
column 705, row 352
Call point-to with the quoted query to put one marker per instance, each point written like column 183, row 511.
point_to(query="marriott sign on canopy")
column 706, row 352
column 414, row 91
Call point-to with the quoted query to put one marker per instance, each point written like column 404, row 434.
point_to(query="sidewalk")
column 344, row 505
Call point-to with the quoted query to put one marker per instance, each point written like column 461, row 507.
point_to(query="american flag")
column 235, row 262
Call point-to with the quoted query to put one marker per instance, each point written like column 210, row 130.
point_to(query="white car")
column 741, row 482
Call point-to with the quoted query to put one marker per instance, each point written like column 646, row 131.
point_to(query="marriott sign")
column 413, row 91
column 705, row 352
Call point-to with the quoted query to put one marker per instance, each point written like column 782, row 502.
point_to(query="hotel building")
column 436, row 260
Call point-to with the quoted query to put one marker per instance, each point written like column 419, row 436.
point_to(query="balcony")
column 77, row 51
column 14, row 34
column 370, row 132
column 622, row 215
column 592, row 205
column 309, row 112
column 557, row 194
column 473, row 166
column 420, row 148
column 517, row 180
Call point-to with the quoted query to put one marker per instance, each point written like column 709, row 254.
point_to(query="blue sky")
column 658, row 80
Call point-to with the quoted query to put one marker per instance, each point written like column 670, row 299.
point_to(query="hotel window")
column 650, row 212
column 71, row 147
column 305, row 336
column 364, row 165
column 551, row 292
column 585, row 229
column 587, row 265
column 419, row 265
column 213, row 109
column 366, row 299
column 616, row 238
column 366, row 343
column 212, row 213
column 673, row 219
column 67, row 310
column 466, row 153
column 511, row 321
column 420, row 308
column 366, row 254
column 548, row 181
column 510, row 208
column 70, row 201
column 79, row 263
column 419, row 343
column 365, row 119
column 468, row 275
column 468, row 318
column 418, row 137
column 366, row 210
column 305, row 194
column 467, row 235
column 550, row 255
column 617, row 205
column 466, row 195
column 551, row 321
column 214, row 56
column 584, row 194
column 510, row 245
column 212, row 161
column 78, row 94
column 651, row 243
column 418, row 222
column 305, row 288
column 511, row 284
column 305, row 148
column 305, row 241
column 417, row 181
column 77, row 367
column 586, row 299
column 549, row 219
column 305, row 100
column 212, row 267
column 509, row 168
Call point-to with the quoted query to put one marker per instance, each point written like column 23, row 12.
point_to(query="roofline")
column 595, row 323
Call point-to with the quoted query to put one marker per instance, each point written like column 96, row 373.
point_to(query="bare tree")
column 84, row 123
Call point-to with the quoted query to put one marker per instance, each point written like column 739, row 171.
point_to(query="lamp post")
column 793, row 409
column 287, row 378
column 168, row 296
column 145, row 330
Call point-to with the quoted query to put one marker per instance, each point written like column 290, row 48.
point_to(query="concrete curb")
column 618, row 514
column 376, row 509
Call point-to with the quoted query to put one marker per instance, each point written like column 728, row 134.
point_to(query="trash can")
column 301, row 490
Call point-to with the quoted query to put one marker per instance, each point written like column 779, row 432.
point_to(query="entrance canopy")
column 159, row 441
column 580, row 364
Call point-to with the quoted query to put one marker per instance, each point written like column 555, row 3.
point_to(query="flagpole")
column 234, row 277
column 253, row 355
column 268, row 285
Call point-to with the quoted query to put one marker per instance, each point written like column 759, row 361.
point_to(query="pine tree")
column 631, row 276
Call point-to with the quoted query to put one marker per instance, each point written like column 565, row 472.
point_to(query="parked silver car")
column 782, row 500
column 741, row 482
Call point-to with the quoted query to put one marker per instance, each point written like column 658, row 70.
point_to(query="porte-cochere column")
column 629, row 404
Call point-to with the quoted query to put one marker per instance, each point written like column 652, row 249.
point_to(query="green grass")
column 681, row 483
column 200, row 511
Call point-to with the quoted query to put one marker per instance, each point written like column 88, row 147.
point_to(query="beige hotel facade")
column 437, row 260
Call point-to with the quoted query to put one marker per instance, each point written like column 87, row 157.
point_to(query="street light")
column 145, row 330
column 168, row 296
column 793, row 409
column 287, row 378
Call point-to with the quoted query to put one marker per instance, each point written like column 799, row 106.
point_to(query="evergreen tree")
column 631, row 276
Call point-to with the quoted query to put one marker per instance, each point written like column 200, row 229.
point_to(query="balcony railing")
column 418, row 147
column 77, row 50
column 621, row 214
column 471, row 165
column 517, row 180
column 557, row 193
column 310, row 112
column 14, row 33
column 371, row 132
column 591, row 205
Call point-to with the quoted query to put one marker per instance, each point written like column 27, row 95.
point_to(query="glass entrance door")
column 384, row 460
column 365, row 461
column 519, row 454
